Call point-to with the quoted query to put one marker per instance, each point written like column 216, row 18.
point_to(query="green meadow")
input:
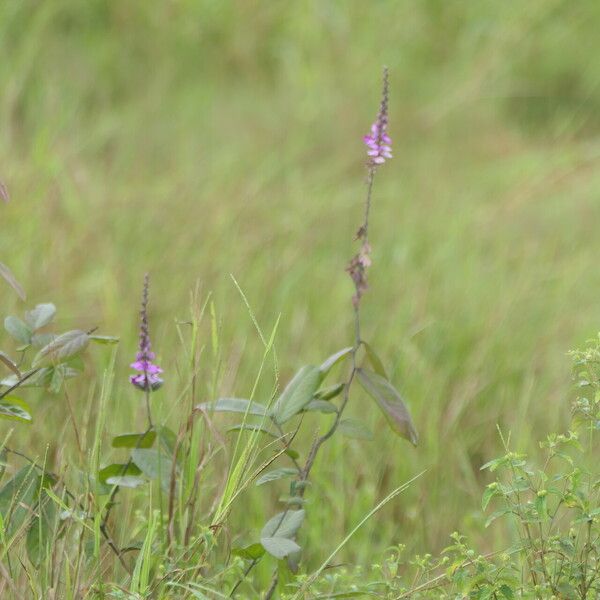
column 218, row 147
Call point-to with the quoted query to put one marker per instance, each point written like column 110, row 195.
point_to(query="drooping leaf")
column 237, row 405
column 124, row 475
column 355, row 429
column 297, row 394
column 334, row 359
column 284, row 524
column 8, row 276
column 8, row 362
column 134, row 440
column 15, row 409
column 276, row 474
column 329, row 392
column 251, row 552
column 153, row 464
column 104, row 339
column 40, row 316
column 18, row 330
column 279, row 547
column 63, row 347
column 375, row 361
column 390, row 402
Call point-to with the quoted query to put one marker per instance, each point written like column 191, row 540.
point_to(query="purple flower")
column 378, row 142
column 147, row 378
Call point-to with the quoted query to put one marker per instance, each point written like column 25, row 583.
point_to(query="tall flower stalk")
column 379, row 150
column 148, row 373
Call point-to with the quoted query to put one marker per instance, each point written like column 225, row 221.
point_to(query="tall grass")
column 198, row 139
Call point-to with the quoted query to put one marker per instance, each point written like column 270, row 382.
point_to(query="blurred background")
column 197, row 139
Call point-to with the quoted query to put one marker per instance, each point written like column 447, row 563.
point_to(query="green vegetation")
column 217, row 145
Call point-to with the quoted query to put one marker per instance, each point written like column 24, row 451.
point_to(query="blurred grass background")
column 197, row 139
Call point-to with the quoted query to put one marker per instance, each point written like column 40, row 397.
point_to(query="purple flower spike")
column 147, row 378
column 378, row 142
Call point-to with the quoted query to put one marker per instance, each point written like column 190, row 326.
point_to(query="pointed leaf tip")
column 390, row 402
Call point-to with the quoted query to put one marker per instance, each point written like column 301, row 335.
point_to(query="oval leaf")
column 41, row 315
column 297, row 394
column 63, row 347
column 18, row 330
column 237, row 405
column 284, row 524
column 390, row 402
column 14, row 409
column 124, row 475
column 279, row 547
column 329, row 392
column 154, row 464
column 134, row 440
column 334, row 359
column 251, row 552
column 276, row 474
column 375, row 360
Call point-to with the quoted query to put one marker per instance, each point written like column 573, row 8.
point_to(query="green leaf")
column 375, row 361
column 124, row 475
column 154, row 464
column 237, row 405
column 63, row 347
column 488, row 494
column 104, row 339
column 251, row 552
column 334, row 359
column 507, row 592
column 276, row 474
column 4, row 358
column 329, row 392
column 14, row 409
column 134, row 440
column 297, row 394
column 8, row 276
column 279, row 547
column 497, row 514
column 355, row 429
column 390, row 402
column 40, row 316
column 320, row 406
column 18, row 330
column 167, row 438
column 284, row 524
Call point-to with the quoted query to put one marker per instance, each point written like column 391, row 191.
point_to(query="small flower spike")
column 378, row 142
column 147, row 376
